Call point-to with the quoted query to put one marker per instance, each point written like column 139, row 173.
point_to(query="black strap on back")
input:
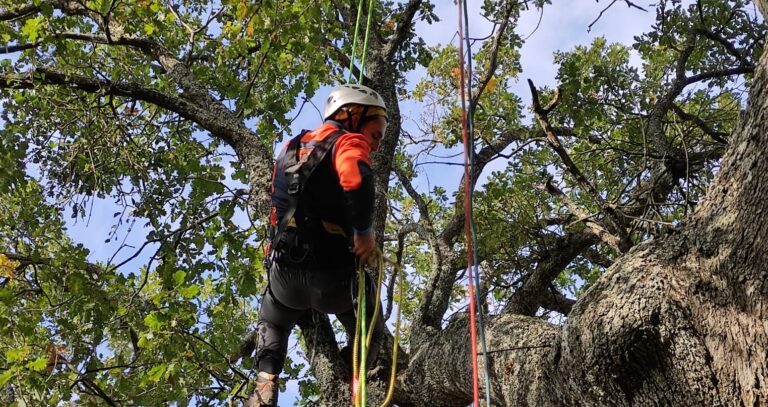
column 298, row 172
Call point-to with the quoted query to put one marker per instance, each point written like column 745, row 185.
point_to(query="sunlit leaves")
column 158, row 329
column 32, row 29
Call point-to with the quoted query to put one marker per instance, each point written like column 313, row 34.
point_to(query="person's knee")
column 272, row 344
column 270, row 361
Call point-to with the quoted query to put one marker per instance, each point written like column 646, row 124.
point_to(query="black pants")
column 292, row 290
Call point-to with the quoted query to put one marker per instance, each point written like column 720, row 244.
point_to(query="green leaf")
column 38, row 364
column 144, row 340
column 7, row 375
column 157, row 372
column 13, row 355
column 6, row 294
column 32, row 28
column 190, row 291
column 153, row 321
column 105, row 6
column 179, row 276
column 242, row 11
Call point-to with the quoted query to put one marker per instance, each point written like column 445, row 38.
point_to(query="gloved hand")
column 365, row 246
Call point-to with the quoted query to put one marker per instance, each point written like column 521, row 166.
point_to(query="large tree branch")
column 48, row 76
column 527, row 299
column 655, row 127
column 554, row 300
column 740, row 70
column 762, row 5
column 404, row 26
column 518, row 348
column 482, row 158
column 10, row 49
column 439, row 284
column 194, row 104
column 567, row 248
column 324, row 359
column 424, row 215
column 613, row 215
column 145, row 45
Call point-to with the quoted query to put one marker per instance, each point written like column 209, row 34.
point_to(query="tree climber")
column 321, row 223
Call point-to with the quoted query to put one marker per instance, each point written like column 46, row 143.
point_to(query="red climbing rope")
column 467, row 214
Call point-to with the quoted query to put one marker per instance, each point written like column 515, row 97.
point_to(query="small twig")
column 629, row 4
column 218, row 352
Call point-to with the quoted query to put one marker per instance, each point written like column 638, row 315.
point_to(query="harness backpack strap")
column 298, row 171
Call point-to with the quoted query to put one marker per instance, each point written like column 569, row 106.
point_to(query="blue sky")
column 563, row 26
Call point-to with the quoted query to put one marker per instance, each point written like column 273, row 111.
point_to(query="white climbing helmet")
column 351, row 94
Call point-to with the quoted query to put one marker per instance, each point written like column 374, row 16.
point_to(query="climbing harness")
column 360, row 347
column 467, row 127
column 299, row 164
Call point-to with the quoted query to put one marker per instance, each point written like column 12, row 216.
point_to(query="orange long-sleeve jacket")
column 337, row 197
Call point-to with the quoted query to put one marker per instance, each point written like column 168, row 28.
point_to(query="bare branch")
column 404, row 25
column 420, row 203
column 10, row 49
column 741, row 70
column 493, row 60
column 613, row 214
column 23, row 11
column 594, row 226
column 629, row 4
column 718, row 136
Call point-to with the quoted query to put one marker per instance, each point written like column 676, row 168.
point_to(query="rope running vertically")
column 471, row 126
column 467, row 188
column 360, row 346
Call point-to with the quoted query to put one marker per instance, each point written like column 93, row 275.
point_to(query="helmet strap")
column 349, row 122
column 361, row 120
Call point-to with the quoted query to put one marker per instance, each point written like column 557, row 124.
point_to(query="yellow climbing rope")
column 360, row 348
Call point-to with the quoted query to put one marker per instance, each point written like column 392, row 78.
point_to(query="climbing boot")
column 267, row 389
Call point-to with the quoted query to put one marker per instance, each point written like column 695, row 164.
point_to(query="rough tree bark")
column 677, row 321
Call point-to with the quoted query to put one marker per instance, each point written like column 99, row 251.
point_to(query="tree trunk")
column 678, row 321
